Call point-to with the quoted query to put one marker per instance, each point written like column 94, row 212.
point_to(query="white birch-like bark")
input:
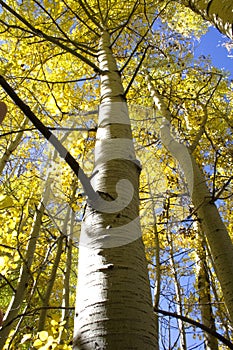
column 219, row 13
column 113, row 306
column 217, row 297
column 218, row 239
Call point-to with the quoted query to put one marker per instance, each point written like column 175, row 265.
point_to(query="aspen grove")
column 115, row 175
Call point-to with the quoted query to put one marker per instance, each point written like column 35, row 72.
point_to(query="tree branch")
column 136, row 70
column 90, row 13
column 74, row 165
column 33, row 311
column 197, row 324
column 49, row 38
column 80, row 19
column 217, row 195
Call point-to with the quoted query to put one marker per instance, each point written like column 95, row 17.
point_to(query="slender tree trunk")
column 219, row 13
column 217, row 297
column 157, row 289
column 64, row 333
column 50, row 284
column 52, row 278
column 211, row 342
column 179, row 308
column 12, row 146
column 113, row 308
column 49, row 287
column 25, row 273
column 218, row 239
column 21, row 319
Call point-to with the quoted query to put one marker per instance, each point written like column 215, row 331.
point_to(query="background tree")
column 206, row 211
column 219, row 14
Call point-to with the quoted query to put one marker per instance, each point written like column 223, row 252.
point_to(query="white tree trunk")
column 219, row 241
column 113, row 306
column 211, row 342
column 218, row 12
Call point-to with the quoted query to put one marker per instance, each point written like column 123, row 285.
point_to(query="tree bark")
column 219, row 13
column 12, row 146
column 203, row 281
column 218, row 239
column 113, row 307
column 65, row 317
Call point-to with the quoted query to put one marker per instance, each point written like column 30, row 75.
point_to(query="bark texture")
column 114, row 307
column 218, row 239
column 219, row 13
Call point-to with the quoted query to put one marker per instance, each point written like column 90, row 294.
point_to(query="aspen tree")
column 219, row 13
column 218, row 239
column 111, row 313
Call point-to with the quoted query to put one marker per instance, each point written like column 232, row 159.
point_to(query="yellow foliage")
column 43, row 335
column 5, row 202
column 47, row 77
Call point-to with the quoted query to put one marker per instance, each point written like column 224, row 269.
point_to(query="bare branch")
column 74, row 165
column 54, row 82
column 197, row 324
column 217, row 196
column 136, row 70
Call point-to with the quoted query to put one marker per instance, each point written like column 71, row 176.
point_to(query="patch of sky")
column 218, row 48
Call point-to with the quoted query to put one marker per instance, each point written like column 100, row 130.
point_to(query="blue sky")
column 212, row 44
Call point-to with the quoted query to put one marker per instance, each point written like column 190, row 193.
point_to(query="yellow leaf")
column 11, row 225
column 2, row 264
column 2, row 260
column 37, row 343
column 5, row 201
column 43, row 335
column 54, row 323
